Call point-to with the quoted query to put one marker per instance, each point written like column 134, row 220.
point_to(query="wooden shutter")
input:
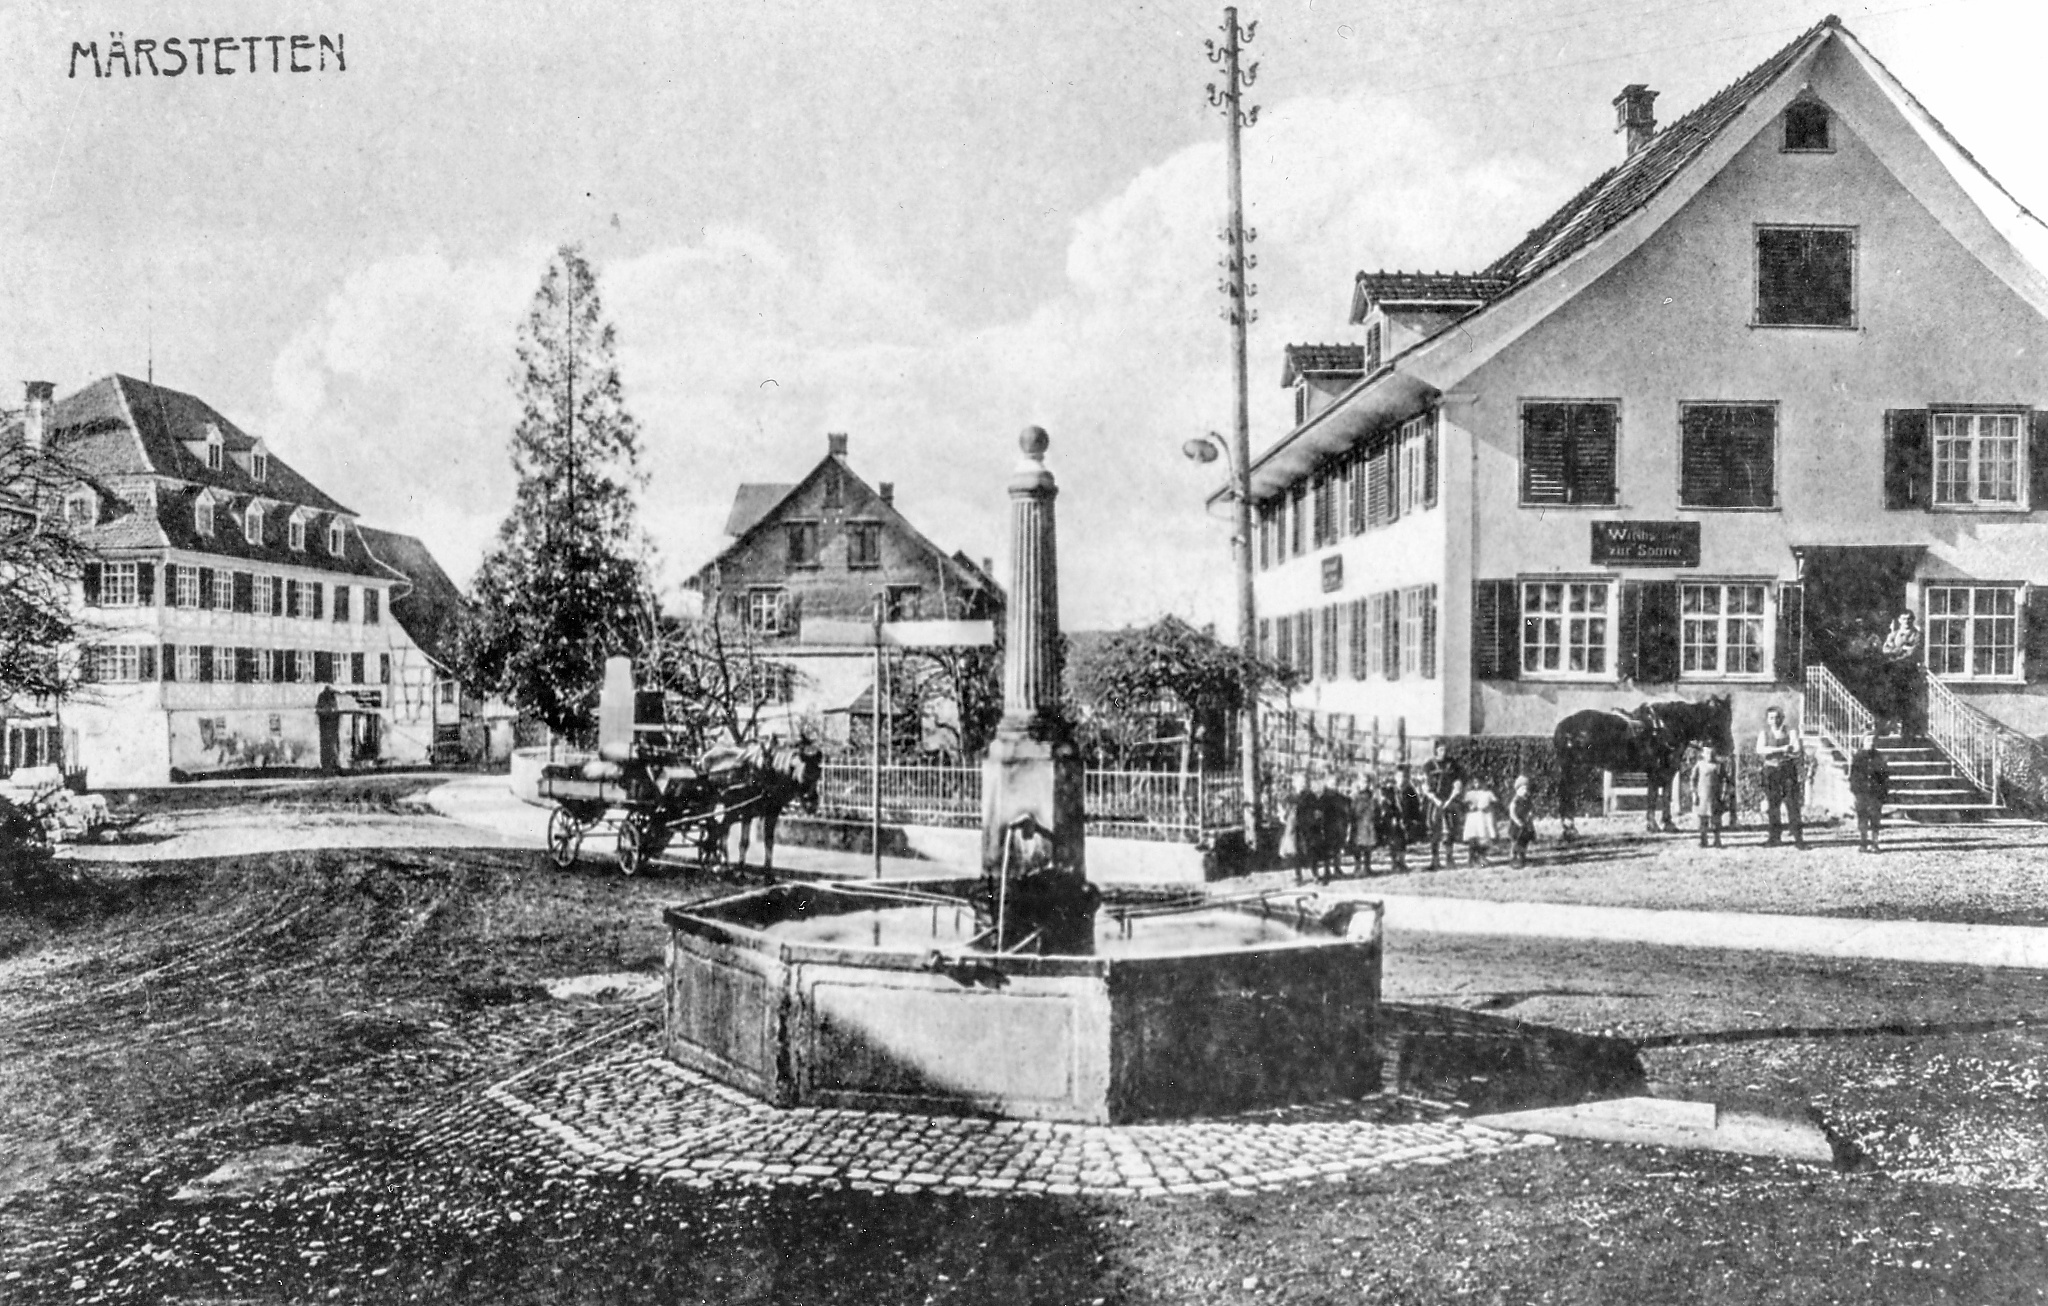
column 1728, row 456
column 145, row 584
column 245, row 587
column 1379, row 492
column 206, row 663
column 1657, row 632
column 245, row 666
column 1390, row 637
column 1361, row 620
column 1392, row 453
column 206, row 587
column 1628, row 625
column 1790, row 665
column 1496, row 631
column 1908, row 460
column 146, row 658
column 2034, row 636
column 92, row 584
column 1305, row 640
column 169, row 663
column 323, row 667
column 319, row 601
column 1361, row 480
column 1546, row 432
column 1428, row 658
column 2037, row 460
column 1590, row 454
column 1429, row 445
column 1375, row 634
column 277, row 595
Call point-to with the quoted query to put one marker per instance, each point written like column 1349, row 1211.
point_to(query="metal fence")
column 2009, row 767
column 1165, row 806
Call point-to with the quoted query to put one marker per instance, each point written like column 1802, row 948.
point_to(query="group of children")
column 1328, row 825
column 1713, row 795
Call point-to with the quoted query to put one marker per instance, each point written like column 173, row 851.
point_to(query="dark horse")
column 756, row 781
column 1650, row 738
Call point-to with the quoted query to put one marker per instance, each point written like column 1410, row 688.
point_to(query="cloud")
column 742, row 347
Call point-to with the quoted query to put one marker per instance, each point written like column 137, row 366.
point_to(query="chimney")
column 1635, row 115
column 35, row 420
column 835, row 444
column 887, row 489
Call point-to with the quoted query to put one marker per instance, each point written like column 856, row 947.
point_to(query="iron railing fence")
column 1843, row 721
column 1164, row 806
column 2009, row 767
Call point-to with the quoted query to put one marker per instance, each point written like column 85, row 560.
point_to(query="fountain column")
column 1032, row 798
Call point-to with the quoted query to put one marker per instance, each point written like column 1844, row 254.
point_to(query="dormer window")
column 337, row 537
column 252, row 524
column 259, row 464
column 81, row 510
column 1374, row 346
column 1807, row 128
column 202, row 515
column 295, row 533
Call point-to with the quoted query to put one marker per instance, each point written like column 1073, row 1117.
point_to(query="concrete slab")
column 1663, row 1122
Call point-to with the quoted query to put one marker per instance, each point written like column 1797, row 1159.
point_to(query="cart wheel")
column 632, row 843
column 565, row 838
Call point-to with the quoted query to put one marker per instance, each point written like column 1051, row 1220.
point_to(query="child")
column 1365, row 819
column 1869, row 784
column 1392, row 828
column 1706, row 795
column 1333, row 821
column 1482, row 818
column 1521, row 821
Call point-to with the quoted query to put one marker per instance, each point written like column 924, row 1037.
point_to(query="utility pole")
column 1238, row 312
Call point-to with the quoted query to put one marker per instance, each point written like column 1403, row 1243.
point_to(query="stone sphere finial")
column 1034, row 442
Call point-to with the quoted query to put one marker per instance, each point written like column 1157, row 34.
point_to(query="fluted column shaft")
column 1031, row 658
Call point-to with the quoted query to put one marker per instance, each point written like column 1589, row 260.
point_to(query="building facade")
column 237, row 616
column 832, row 548
column 1774, row 379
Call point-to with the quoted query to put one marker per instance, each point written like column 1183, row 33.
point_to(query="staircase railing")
column 1843, row 721
column 1968, row 737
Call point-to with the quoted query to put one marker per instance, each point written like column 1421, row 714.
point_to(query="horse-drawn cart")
column 646, row 802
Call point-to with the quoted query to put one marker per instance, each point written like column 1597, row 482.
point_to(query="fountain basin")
column 806, row 995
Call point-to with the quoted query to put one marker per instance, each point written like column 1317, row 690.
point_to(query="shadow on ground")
column 1491, row 1063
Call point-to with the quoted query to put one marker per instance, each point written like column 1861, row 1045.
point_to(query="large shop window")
column 1567, row 628
column 1979, row 460
column 1973, row 631
column 1728, row 455
column 1806, row 276
column 1723, row 630
column 1568, row 453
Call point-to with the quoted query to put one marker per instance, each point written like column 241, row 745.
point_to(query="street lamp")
column 1207, row 449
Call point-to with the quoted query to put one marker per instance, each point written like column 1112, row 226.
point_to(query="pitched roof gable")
column 754, row 501
column 1322, row 360
column 431, row 609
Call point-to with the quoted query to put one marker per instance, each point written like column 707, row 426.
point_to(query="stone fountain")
column 1019, row 991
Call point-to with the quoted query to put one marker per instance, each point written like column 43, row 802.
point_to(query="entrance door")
column 1853, row 592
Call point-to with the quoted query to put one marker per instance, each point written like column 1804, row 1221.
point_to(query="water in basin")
column 924, row 927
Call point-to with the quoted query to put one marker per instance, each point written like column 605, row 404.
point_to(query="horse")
column 756, row 781
column 1649, row 738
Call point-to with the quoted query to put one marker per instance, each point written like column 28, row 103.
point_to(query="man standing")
column 1783, row 760
column 1443, row 788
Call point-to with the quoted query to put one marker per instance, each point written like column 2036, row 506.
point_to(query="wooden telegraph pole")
column 1237, row 260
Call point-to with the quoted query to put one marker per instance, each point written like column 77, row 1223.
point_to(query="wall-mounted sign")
column 1646, row 544
column 1333, row 573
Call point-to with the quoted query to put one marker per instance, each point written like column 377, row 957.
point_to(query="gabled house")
column 830, row 547
column 1777, row 376
column 239, row 615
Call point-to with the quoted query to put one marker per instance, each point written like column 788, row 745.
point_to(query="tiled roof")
column 121, row 425
column 1626, row 187
column 431, row 611
column 1428, row 287
column 1305, row 359
column 751, row 504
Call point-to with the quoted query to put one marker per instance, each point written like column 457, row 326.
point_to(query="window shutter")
column 1545, row 432
column 92, row 584
column 245, row 666
column 1791, row 650
column 1361, row 480
column 170, row 662
column 2037, row 460
column 244, row 591
column 2035, row 635
column 323, row 667
column 1628, row 644
column 206, row 663
column 1392, row 453
column 1590, row 454
column 319, row 601
column 1429, row 462
column 145, row 584
column 1390, row 636
column 146, row 659
column 1657, row 632
column 206, row 587
column 1751, row 477
column 1305, row 641
column 1379, row 495
column 1701, row 432
column 1908, row 460
column 1496, row 643
column 1429, row 631
column 277, row 594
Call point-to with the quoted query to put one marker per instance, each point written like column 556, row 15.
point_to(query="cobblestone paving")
column 612, row 1104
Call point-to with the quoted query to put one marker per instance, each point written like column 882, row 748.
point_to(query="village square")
column 550, row 793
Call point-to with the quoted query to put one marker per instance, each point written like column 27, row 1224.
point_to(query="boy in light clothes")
column 1482, row 822
column 1707, row 779
column 1521, row 822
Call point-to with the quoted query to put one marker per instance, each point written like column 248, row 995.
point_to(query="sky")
column 925, row 225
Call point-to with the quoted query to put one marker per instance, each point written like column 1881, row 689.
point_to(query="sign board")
column 1333, row 573
column 898, row 634
column 1646, row 544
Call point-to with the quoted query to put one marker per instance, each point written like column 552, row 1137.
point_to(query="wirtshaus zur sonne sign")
column 1646, row 544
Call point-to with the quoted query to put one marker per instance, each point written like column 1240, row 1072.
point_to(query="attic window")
column 337, row 537
column 295, row 530
column 252, row 524
column 1372, row 348
column 213, row 455
column 835, row 494
column 259, row 465
column 803, row 543
column 79, row 510
column 1806, row 128
column 202, row 515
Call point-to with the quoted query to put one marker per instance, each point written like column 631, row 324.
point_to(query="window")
column 1297, row 510
column 202, row 515
column 1728, row 455
column 116, row 663
column 373, row 604
column 224, row 663
column 1411, row 632
column 1568, row 453
column 1266, row 533
column 1300, row 401
column 1806, row 276
column 1721, row 630
column 803, row 543
column 294, row 599
column 188, row 663
column 1327, row 644
column 1415, row 466
column 355, row 668
column 259, row 464
column 1566, row 630
column 1806, row 127
column 1373, row 348
column 252, row 524
column 447, row 691
column 295, row 531
column 341, row 602
column 184, row 587
column 262, row 597
column 835, row 493
column 213, row 452
column 1973, row 631
column 1978, row 461
column 117, row 585
column 1324, row 493
column 79, row 510
column 766, row 611
column 903, row 603
column 337, row 538
column 864, row 544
